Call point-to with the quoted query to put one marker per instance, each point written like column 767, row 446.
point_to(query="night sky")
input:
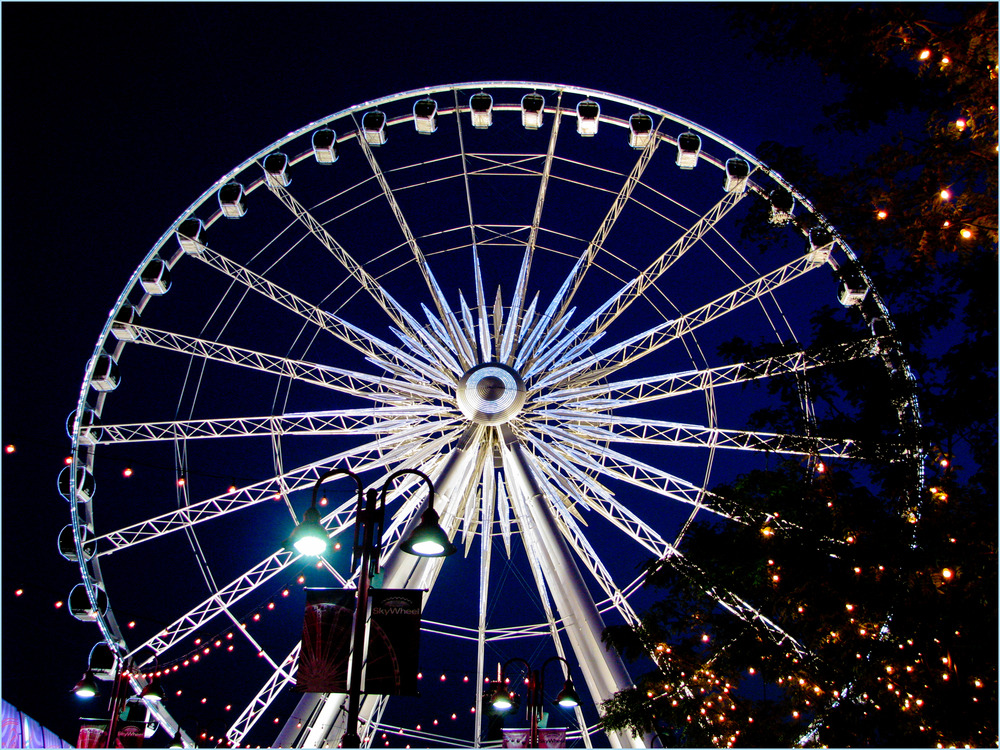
column 116, row 117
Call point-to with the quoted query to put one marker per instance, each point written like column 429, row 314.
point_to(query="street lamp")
column 427, row 540
column 567, row 697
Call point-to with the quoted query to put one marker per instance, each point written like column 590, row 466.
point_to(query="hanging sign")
column 394, row 642
column 326, row 641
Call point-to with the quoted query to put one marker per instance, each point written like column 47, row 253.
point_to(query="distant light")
column 127, row 472
column 924, row 54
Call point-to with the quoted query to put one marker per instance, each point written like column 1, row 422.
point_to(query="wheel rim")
column 339, row 323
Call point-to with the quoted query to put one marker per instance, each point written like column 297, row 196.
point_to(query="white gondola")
column 588, row 115
column 276, row 170
column 820, row 246
column 481, row 107
column 640, row 130
column 425, row 115
column 124, row 323
column 737, row 173
column 688, row 149
column 189, row 236
column 67, row 543
column 80, row 606
column 782, row 205
column 324, row 143
column 102, row 662
column 106, row 376
column 853, row 289
column 532, row 110
column 232, row 200
column 85, row 485
column 90, row 431
column 155, row 277
column 373, row 127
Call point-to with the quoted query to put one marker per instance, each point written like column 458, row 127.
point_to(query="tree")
column 871, row 614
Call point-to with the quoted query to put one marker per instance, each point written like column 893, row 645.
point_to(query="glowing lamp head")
column 153, row 691
column 429, row 539
column 309, row 537
column 87, row 686
column 567, row 697
column 501, row 699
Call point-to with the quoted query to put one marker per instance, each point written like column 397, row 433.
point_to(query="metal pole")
column 367, row 518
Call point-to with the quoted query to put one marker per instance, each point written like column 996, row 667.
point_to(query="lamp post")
column 567, row 697
column 427, row 540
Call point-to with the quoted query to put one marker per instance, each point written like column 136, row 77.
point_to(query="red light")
column 59, row 605
column 127, row 472
column 443, row 678
column 232, row 488
column 18, row 592
column 10, row 448
column 68, row 460
column 204, row 700
column 323, row 501
column 270, row 605
column 197, row 641
column 285, row 592
column 196, row 657
column 230, row 647
column 256, row 616
column 131, row 624
column 181, row 482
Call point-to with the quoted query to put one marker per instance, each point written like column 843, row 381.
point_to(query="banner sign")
column 522, row 738
column 326, row 641
column 394, row 642
column 94, row 733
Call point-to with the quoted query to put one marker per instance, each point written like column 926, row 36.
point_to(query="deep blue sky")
column 116, row 117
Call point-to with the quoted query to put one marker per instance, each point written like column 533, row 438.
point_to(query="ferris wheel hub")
column 491, row 394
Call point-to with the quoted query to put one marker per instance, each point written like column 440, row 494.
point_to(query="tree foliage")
column 856, row 605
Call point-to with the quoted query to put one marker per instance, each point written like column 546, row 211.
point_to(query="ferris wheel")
column 525, row 291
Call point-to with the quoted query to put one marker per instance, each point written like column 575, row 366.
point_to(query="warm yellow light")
column 946, row 224
column 924, row 54
column 882, row 213
column 945, row 60
column 945, row 194
column 966, row 233
column 947, row 573
column 960, row 124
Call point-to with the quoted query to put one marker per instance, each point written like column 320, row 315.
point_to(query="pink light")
column 18, row 592
column 127, row 472
column 10, row 448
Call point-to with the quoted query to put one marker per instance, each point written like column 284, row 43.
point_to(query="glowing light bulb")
column 924, row 54
column 947, row 573
column 10, row 449
column 882, row 214
column 945, row 194
column 127, row 472
column 945, row 60
column 966, row 233
column 960, row 124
